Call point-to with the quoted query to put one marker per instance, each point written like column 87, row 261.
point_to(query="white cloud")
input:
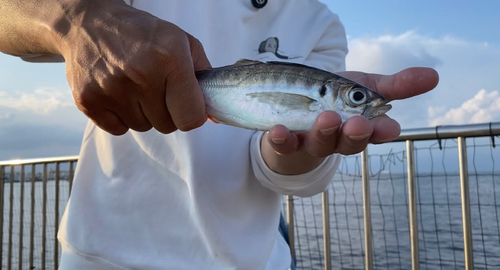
column 482, row 108
column 434, row 112
column 41, row 101
column 390, row 53
column 6, row 116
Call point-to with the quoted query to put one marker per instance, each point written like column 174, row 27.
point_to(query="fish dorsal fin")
column 245, row 62
column 290, row 64
column 289, row 101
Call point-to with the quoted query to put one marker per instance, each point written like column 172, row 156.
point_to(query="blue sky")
column 471, row 20
column 460, row 39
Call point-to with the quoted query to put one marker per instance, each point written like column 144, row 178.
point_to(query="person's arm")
column 290, row 154
column 126, row 68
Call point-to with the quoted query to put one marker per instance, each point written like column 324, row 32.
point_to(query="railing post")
column 56, row 217
column 11, row 217
column 366, row 210
column 70, row 176
column 21, row 222
column 290, row 224
column 2, row 193
column 412, row 204
column 32, row 217
column 326, row 231
column 44, row 216
column 466, row 219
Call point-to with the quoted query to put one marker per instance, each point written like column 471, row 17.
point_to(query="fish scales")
column 268, row 74
column 257, row 95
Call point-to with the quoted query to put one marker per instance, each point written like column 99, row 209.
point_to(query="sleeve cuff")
column 303, row 185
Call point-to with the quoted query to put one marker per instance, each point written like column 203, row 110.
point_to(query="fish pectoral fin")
column 213, row 119
column 289, row 101
column 245, row 62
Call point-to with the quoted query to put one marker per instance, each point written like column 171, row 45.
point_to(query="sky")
column 460, row 39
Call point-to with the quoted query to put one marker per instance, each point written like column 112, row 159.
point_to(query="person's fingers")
column 385, row 129
column 407, row 83
column 134, row 118
column 404, row 84
column 354, row 137
column 282, row 140
column 109, row 122
column 157, row 113
column 130, row 113
column 96, row 102
column 184, row 98
column 322, row 139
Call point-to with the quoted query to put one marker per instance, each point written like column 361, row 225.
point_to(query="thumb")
column 407, row 83
column 200, row 60
column 185, row 101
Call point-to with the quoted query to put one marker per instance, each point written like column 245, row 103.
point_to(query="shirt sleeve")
column 330, row 49
column 303, row 185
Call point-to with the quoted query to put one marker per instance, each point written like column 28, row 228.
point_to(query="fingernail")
column 359, row 137
column 278, row 140
column 329, row 131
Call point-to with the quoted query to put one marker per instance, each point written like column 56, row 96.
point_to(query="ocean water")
column 439, row 223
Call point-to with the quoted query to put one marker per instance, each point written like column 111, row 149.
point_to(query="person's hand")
column 130, row 70
column 289, row 153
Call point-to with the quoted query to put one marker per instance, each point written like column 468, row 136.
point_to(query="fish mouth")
column 374, row 111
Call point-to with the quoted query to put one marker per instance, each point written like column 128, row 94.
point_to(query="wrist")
column 69, row 22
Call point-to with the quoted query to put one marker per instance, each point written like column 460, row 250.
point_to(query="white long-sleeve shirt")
column 202, row 199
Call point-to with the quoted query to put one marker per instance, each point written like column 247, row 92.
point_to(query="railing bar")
column 44, row 215
column 290, row 225
column 38, row 160
column 412, row 205
column 466, row 217
column 21, row 220
column 56, row 218
column 32, row 214
column 450, row 132
column 326, row 231
column 366, row 210
column 11, row 217
column 2, row 190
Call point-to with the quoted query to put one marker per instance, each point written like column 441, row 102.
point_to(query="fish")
column 259, row 95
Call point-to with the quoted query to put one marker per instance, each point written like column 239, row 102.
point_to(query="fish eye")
column 357, row 96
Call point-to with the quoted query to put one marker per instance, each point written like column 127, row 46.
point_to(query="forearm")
column 41, row 27
column 30, row 26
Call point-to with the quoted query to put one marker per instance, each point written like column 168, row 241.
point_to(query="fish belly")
column 239, row 107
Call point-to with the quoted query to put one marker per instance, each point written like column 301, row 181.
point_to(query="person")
column 159, row 187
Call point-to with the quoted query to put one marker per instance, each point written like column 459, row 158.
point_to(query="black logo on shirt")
column 272, row 45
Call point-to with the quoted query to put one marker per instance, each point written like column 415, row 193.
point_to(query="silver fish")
column 257, row 95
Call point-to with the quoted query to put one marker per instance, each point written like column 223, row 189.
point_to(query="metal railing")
column 17, row 179
column 18, row 175
column 410, row 136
